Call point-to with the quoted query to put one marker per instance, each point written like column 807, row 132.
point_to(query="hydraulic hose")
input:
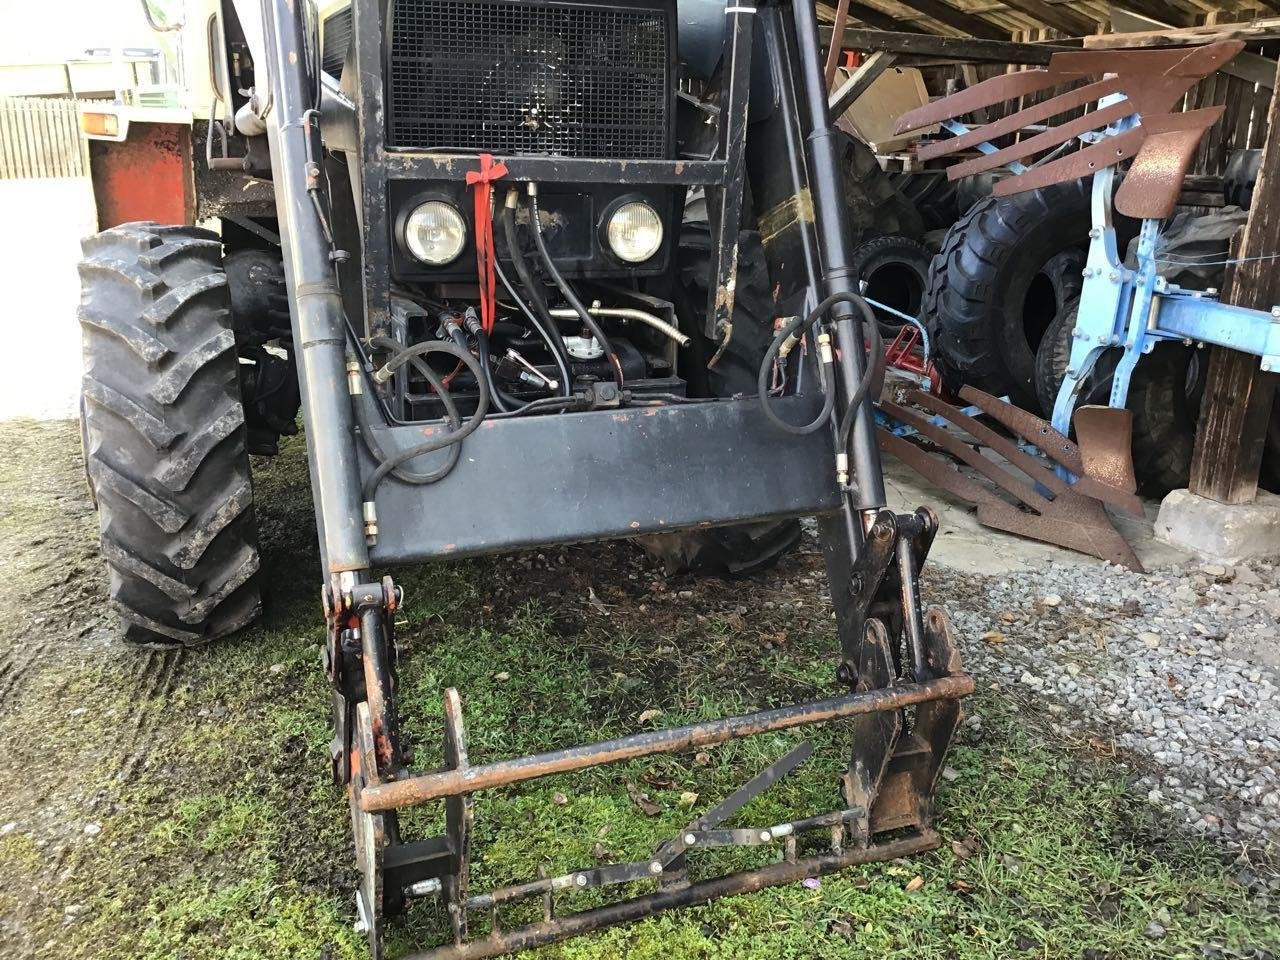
column 482, row 344
column 452, row 417
column 452, row 437
column 550, row 336
column 788, row 333
column 566, row 291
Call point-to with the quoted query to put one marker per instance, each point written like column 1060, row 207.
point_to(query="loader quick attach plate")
column 901, row 711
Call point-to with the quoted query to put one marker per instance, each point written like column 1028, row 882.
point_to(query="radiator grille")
column 529, row 78
column 337, row 38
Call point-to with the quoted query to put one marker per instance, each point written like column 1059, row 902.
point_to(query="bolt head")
column 655, row 867
column 1266, row 368
column 1113, row 277
column 690, row 839
column 765, row 836
column 1275, row 312
column 1087, row 272
column 581, row 880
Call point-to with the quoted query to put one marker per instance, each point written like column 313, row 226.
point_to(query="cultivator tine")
column 1062, row 513
column 1040, row 142
column 1166, row 154
column 1016, row 121
column 1060, row 450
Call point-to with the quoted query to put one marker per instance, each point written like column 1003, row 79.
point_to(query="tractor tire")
column 932, row 194
column 1004, row 272
column 164, row 435
column 895, row 271
column 1164, row 395
column 745, row 548
column 874, row 205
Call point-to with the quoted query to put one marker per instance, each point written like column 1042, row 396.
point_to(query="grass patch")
column 222, row 837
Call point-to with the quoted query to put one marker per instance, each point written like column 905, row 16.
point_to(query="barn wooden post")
column 1238, row 394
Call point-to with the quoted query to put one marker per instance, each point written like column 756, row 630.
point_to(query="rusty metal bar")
column 628, row 911
column 411, row 791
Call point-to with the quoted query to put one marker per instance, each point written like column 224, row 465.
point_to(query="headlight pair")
column 435, row 233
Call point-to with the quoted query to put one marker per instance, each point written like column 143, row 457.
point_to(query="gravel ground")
column 1175, row 671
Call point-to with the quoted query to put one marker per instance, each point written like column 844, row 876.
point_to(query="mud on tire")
column 164, row 434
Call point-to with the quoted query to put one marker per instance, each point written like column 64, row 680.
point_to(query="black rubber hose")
column 541, row 311
column 873, row 372
column 482, row 344
column 859, row 395
column 452, row 417
column 435, row 443
column 567, row 292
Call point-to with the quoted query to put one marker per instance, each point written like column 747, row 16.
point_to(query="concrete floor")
column 964, row 544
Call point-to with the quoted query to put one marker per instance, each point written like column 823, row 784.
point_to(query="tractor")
column 531, row 272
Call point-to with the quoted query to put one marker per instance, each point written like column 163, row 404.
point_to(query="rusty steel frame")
column 888, row 787
column 422, row 788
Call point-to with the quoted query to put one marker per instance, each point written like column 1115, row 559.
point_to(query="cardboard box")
column 873, row 115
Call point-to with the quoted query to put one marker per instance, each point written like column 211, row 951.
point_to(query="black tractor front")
column 600, row 253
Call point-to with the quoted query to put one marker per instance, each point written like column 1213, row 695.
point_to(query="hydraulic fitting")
column 824, row 348
column 355, row 383
column 842, row 468
column 370, row 511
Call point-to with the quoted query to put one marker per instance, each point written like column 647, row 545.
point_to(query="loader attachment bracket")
column 901, row 722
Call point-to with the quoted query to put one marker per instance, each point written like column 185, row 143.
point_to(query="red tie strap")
column 482, row 181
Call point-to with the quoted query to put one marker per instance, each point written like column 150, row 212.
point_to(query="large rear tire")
column 1005, row 270
column 164, row 435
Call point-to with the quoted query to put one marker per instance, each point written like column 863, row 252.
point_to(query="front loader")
column 553, row 272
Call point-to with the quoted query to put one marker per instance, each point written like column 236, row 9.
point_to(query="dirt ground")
column 166, row 805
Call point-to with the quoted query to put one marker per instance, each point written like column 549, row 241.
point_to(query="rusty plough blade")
column 1148, row 83
column 1048, row 508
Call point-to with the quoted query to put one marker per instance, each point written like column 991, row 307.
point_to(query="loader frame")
column 897, row 670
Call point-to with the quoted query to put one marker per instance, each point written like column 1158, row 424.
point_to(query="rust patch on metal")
column 1106, row 445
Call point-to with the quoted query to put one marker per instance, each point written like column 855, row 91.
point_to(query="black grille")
column 337, row 38
column 518, row 78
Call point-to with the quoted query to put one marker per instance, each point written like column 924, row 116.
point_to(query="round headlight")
column 435, row 233
column 634, row 232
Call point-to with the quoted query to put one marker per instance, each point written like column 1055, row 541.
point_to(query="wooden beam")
column 968, row 23
column 1247, row 66
column 957, row 49
column 1059, row 16
column 867, row 73
column 1161, row 11
column 1238, row 396
column 873, row 17
column 1252, row 31
column 877, row 19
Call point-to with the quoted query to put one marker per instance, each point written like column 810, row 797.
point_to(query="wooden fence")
column 41, row 138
